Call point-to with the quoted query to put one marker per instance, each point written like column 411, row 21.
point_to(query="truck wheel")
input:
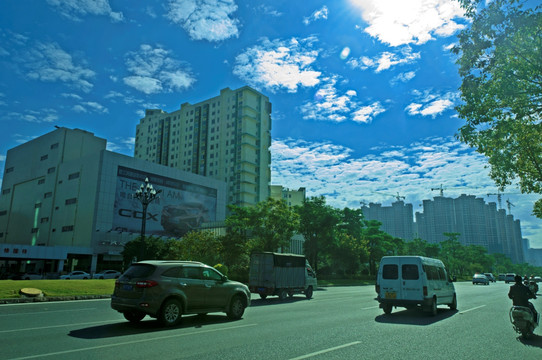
column 263, row 296
column 308, row 292
column 283, row 294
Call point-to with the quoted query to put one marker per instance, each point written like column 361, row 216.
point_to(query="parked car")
column 490, row 277
column 168, row 289
column 480, row 279
column 107, row 274
column 31, row 276
column 508, row 278
column 501, row 277
column 76, row 275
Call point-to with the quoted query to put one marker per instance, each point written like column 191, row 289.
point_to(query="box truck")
column 280, row 274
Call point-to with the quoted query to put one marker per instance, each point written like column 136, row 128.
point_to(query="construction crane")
column 441, row 189
column 499, row 197
column 509, row 204
column 397, row 196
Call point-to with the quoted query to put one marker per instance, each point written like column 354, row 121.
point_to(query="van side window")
column 442, row 274
column 410, row 272
column 432, row 272
column 390, row 272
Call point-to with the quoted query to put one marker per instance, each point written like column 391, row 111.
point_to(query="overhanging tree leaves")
column 500, row 62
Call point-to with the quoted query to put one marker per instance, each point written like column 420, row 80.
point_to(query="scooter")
column 523, row 320
column 533, row 286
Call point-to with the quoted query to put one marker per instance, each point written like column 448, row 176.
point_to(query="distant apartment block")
column 477, row 223
column 291, row 197
column 225, row 138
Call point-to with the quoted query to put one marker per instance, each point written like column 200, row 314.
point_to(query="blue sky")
column 363, row 91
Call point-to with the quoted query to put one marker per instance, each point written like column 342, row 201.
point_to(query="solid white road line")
column 478, row 307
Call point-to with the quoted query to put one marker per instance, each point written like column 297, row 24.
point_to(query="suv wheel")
column 237, row 308
column 133, row 316
column 171, row 312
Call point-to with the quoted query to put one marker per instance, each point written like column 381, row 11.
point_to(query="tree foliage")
column 203, row 246
column 500, row 63
column 318, row 224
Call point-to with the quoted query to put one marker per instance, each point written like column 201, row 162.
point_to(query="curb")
column 23, row 300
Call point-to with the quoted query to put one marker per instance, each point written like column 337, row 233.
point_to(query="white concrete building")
column 67, row 203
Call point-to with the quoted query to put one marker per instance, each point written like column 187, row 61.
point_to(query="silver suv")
column 168, row 289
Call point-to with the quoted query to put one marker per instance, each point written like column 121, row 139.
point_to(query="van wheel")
column 308, row 293
column 434, row 309
column 387, row 309
column 453, row 305
column 283, row 294
column 171, row 312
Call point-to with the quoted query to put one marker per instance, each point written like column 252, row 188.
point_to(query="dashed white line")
column 325, row 351
column 478, row 307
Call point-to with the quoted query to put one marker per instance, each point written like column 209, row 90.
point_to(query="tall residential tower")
column 226, row 138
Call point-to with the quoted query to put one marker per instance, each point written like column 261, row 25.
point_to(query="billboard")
column 180, row 207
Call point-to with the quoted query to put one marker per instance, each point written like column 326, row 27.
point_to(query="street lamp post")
column 145, row 194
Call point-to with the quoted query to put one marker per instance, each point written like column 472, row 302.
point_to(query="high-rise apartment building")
column 226, row 138
column 396, row 220
column 292, row 197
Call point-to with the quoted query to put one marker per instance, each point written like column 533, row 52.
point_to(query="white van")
column 412, row 281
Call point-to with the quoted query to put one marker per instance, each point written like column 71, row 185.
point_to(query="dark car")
column 480, row 279
column 168, row 289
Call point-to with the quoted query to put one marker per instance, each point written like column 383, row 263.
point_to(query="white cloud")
column 32, row 116
column 49, row 63
column 279, row 64
column 317, row 15
column 403, row 77
column 385, row 60
column 90, row 106
column 428, row 104
column 413, row 171
column 400, row 22
column 74, row 9
column 205, row 19
column 154, row 71
column 329, row 105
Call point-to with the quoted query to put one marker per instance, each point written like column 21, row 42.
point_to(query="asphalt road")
column 338, row 323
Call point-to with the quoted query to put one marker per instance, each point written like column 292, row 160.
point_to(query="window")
column 34, row 230
column 3, row 212
column 6, row 191
column 71, row 201
column 44, row 220
column 50, row 170
column 9, row 169
column 73, row 176
column 390, row 272
column 37, row 205
column 47, row 195
column 67, row 228
column 410, row 272
column 44, row 157
column 54, row 146
column 191, row 273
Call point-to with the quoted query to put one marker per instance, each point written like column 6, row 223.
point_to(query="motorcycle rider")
column 520, row 295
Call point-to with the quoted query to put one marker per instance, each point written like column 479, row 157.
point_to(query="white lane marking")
column 57, row 326
column 325, row 351
column 478, row 307
column 48, row 312
column 368, row 308
column 128, row 342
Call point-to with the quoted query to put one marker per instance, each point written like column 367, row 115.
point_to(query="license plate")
column 127, row 287
column 390, row 295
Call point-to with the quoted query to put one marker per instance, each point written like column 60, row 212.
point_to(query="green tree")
column 203, row 246
column 500, row 64
column 317, row 223
column 273, row 224
column 378, row 244
column 153, row 249
column 421, row 248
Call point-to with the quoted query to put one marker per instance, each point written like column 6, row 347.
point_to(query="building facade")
column 225, row 138
column 397, row 219
column 67, row 203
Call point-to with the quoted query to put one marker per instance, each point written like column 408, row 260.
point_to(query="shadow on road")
column 125, row 328
column 274, row 300
column 534, row 340
column 415, row 317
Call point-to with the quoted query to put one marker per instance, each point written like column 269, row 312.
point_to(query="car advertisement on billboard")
column 180, row 207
